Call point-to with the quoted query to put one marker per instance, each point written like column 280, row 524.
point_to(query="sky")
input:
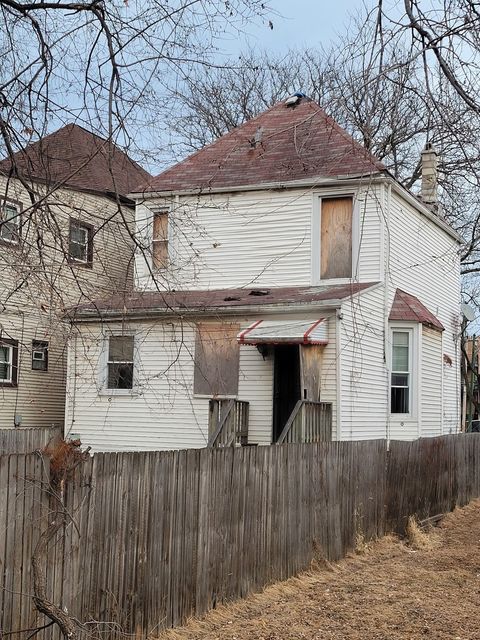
column 300, row 23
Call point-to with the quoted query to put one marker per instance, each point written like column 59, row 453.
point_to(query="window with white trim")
column 80, row 242
column 9, row 224
column 120, row 362
column 401, row 371
column 8, row 362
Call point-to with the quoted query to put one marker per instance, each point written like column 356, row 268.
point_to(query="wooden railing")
column 228, row 423
column 309, row 422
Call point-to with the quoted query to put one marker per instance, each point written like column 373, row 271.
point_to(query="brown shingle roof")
column 215, row 300
column 409, row 308
column 295, row 143
column 79, row 159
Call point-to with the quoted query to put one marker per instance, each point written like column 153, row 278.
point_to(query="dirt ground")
column 387, row 591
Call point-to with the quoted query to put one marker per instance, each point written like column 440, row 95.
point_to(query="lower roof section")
column 219, row 301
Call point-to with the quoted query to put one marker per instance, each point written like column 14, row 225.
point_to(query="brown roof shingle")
column 294, row 142
column 215, row 300
column 77, row 158
column 409, row 308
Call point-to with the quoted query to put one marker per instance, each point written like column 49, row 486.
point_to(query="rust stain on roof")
column 297, row 142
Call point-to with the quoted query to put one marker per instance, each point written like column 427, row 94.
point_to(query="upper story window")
column 80, row 242
column 9, row 223
column 39, row 355
column 160, row 240
column 8, row 362
column 401, row 375
column 336, row 223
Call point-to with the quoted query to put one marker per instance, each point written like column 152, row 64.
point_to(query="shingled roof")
column 409, row 308
column 79, row 159
column 283, row 144
column 218, row 300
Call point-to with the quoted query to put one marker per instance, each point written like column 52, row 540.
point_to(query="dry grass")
column 388, row 592
column 418, row 539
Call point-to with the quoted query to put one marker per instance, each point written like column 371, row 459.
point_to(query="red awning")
column 285, row 332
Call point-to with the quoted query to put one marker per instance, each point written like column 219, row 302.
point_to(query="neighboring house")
column 288, row 288
column 64, row 239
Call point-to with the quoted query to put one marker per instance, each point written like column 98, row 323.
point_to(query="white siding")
column 424, row 261
column 163, row 413
column 432, row 364
column 261, row 238
column 364, row 377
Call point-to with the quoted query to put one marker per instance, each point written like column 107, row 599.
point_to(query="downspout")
column 386, row 285
column 338, row 347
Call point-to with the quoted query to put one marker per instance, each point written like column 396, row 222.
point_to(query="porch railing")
column 228, row 423
column 309, row 422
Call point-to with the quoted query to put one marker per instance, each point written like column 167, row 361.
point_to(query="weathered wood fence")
column 160, row 536
column 27, row 440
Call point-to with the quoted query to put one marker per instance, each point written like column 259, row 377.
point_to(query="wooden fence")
column 27, row 440
column 160, row 536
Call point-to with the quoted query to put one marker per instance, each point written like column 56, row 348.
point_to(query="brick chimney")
column 429, row 192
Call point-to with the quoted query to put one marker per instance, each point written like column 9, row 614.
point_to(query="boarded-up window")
column 336, row 238
column 160, row 240
column 216, row 359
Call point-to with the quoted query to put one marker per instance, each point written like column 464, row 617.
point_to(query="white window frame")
column 16, row 219
column 103, row 389
column 316, row 225
column 413, row 329
column 8, row 362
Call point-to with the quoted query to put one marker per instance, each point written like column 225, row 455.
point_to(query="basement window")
column 336, row 221
column 120, row 362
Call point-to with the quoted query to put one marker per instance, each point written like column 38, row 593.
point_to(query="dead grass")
column 390, row 591
column 418, row 539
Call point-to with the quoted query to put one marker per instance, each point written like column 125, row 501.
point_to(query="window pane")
column 4, row 371
column 5, row 363
column 9, row 231
column 120, row 349
column 4, row 354
column 120, row 376
column 78, row 251
column 39, row 355
column 400, row 338
column 79, row 234
column 399, row 400
column 400, row 379
column 400, row 358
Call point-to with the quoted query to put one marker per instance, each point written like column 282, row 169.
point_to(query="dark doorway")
column 286, row 385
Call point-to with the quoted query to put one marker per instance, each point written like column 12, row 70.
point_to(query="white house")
column 288, row 288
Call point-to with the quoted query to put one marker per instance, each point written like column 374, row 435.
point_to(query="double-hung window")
column 120, row 362
column 8, row 362
column 9, row 223
column 401, row 373
column 80, row 242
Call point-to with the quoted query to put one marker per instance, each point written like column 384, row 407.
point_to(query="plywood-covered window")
column 160, row 240
column 216, row 359
column 336, row 238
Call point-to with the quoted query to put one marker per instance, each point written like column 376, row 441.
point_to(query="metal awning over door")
column 285, row 332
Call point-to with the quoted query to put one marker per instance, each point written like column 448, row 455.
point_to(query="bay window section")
column 401, row 373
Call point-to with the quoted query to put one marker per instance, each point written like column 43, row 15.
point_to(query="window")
column 216, row 359
column 401, row 372
column 120, row 362
column 39, row 355
column 336, row 238
column 9, row 224
column 8, row 362
column 80, row 244
column 160, row 240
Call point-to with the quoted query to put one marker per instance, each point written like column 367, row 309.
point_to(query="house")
column 288, row 288
column 64, row 239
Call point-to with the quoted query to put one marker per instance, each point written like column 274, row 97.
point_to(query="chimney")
column 429, row 175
